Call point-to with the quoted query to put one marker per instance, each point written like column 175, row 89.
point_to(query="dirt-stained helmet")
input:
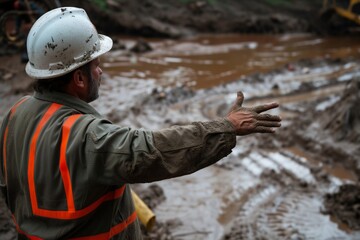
column 62, row 40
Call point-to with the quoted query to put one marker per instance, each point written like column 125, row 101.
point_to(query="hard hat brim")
column 106, row 44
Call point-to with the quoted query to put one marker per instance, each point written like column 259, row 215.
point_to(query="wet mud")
column 344, row 205
column 270, row 187
column 300, row 183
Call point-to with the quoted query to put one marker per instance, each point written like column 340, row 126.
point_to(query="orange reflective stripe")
column 71, row 212
column 64, row 170
column 107, row 235
column 113, row 231
column 121, row 226
column 31, row 164
column 22, row 232
column 65, row 215
column 12, row 111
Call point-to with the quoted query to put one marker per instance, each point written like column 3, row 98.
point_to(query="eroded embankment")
column 178, row 18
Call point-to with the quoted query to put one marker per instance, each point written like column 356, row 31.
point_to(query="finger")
column 238, row 102
column 239, row 99
column 261, row 129
column 268, row 124
column 265, row 107
column 268, row 117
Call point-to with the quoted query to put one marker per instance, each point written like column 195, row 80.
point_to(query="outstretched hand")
column 251, row 120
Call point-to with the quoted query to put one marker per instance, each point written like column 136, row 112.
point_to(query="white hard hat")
column 62, row 40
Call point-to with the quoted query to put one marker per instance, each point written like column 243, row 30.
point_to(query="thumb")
column 238, row 103
column 239, row 99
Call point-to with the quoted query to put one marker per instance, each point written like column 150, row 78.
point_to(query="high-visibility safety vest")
column 66, row 169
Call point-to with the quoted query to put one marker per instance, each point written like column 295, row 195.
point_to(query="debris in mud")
column 345, row 205
column 343, row 120
column 170, row 95
column 118, row 45
column 141, row 46
column 161, row 230
column 152, row 196
column 332, row 134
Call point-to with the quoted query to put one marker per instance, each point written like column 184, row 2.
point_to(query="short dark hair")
column 58, row 84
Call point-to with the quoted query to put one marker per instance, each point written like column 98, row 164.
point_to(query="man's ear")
column 79, row 79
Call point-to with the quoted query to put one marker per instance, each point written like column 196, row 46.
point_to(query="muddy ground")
column 301, row 183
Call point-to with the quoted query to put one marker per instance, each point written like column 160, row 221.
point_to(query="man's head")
column 86, row 81
column 83, row 82
column 61, row 44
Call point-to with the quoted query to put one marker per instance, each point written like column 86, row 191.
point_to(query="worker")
column 65, row 169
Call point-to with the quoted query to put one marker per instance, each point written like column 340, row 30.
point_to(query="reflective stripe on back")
column 64, row 170
column 115, row 230
column 31, row 163
column 71, row 212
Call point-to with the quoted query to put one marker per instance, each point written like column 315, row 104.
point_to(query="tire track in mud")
column 286, row 203
column 298, row 213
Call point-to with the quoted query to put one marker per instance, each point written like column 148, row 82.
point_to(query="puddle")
column 213, row 60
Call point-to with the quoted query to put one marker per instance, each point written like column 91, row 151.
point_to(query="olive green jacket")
column 65, row 168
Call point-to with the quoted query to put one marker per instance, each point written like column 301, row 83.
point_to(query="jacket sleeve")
column 2, row 167
column 123, row 155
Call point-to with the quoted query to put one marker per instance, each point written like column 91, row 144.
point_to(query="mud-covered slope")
column 334, row 133
column 341, row 139
column 344, row 205
column 177, row 18
column 343, row 120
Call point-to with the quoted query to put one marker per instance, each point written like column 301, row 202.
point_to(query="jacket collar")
column 67, row 100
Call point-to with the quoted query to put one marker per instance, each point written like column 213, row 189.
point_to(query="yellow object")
column 344, row 12
column 145, row 215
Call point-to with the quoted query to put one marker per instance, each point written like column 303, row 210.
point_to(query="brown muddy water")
column 208, row 61
column 269, row 187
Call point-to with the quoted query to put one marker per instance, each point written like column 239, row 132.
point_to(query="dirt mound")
column 345, row 205
column 331, row 133
column 343, row 122
column 343, row 119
